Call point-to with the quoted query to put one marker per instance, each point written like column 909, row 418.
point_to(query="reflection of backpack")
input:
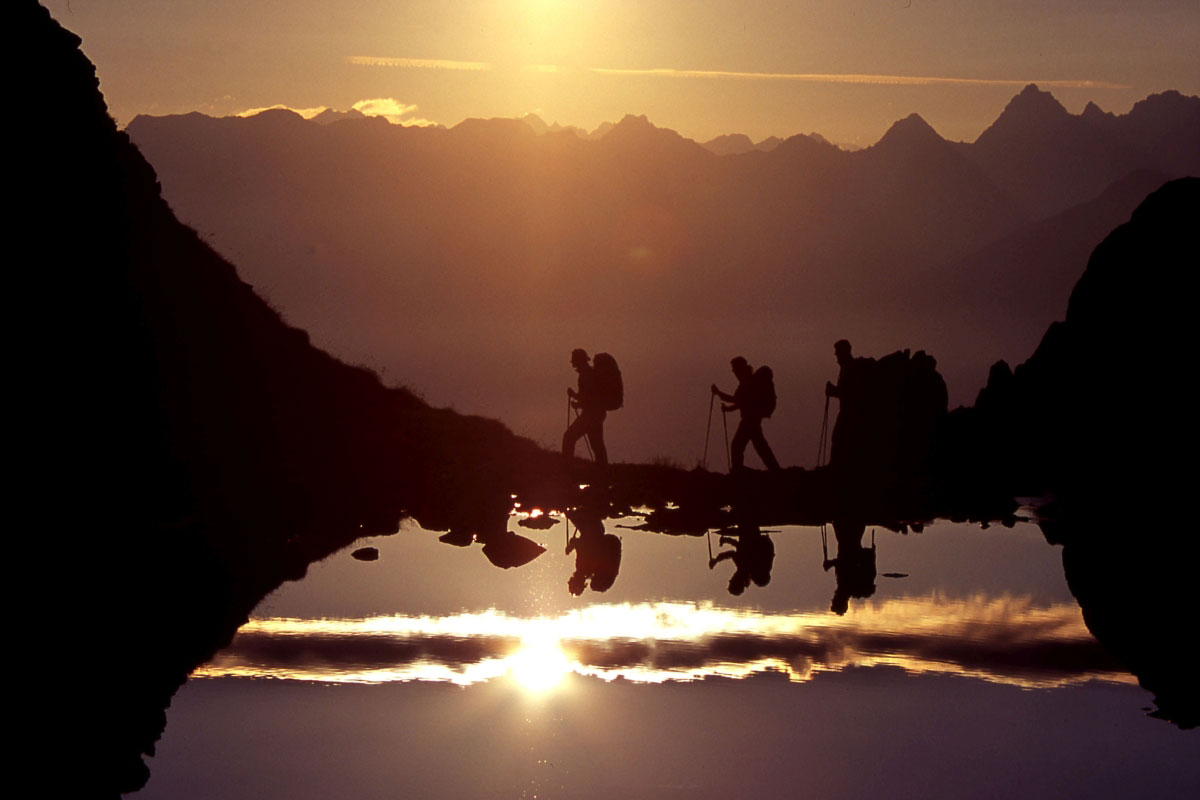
column 610, row 389
column 764, row 392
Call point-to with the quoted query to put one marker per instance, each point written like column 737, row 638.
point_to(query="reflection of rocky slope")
column 190, row 450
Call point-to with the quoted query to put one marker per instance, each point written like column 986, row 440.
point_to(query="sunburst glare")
column 540, row 664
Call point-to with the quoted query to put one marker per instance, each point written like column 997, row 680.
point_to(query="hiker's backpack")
column 764, row 391
column 609, row 387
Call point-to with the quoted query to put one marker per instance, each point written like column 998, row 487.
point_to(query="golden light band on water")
column 1002, row 640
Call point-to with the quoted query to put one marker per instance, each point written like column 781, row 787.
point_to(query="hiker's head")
column 740, row 367
column 576, row 583
column 840, row 603
column 841, row 349
column 579, row 358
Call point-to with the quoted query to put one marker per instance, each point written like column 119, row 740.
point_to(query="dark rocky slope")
column 184, row 449
column 1103, row 416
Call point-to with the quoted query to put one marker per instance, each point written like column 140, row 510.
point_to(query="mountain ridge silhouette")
column 643, row 235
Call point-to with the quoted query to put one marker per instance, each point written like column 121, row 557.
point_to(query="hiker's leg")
column 737, row 448
column 763, row 449
column 596, row 438
column 572, row 435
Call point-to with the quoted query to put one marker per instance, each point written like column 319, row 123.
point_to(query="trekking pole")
column 821, row 454
column 712, row 398
column 725, row 425
column 824, row 544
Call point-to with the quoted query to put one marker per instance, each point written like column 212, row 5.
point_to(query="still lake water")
column 967, row 672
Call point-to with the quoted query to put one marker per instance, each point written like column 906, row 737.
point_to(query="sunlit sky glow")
column 979, row 637
column 843, row 68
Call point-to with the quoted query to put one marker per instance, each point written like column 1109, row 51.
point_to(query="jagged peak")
column 535, row 122
column 1030, row 112
column 910, row 131
column 634, row 122
column 1170, row 101
column 729, row 144
column 637, row 127
column 1032, row 105
column 478, row 125
column 329, row 116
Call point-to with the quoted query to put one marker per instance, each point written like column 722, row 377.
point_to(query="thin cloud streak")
column 419, row 63
column 851, row 78
column 799, row 77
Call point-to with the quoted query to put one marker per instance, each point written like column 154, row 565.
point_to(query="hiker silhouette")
column 588, row 403
column 754, row 398
column 888, row 418
column 850, row 440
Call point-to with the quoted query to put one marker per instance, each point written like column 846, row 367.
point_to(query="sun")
column 539, row 665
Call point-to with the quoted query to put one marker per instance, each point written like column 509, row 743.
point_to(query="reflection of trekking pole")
column 712, row 398
column 824, row 544
column 821, row 449
column 725, row 425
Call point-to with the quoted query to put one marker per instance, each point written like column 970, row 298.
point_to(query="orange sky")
column 843, row 68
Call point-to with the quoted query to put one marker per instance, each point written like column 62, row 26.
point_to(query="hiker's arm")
column 712, row 562
column 728, row 398
column 831, row 390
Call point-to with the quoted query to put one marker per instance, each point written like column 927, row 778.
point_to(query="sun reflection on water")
column 540, row 664
column 1004, row 639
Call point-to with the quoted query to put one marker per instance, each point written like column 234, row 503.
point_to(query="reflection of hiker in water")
column 753, row 554
column 597, row 554
column 587, row 400
column 755, row 399
column 854, row 565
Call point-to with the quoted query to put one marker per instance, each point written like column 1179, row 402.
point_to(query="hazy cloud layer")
column 392, row 110
column 307, row 113
column 389, row 108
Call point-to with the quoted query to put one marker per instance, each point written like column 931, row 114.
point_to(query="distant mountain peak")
column 729, row 144
column 1030, row 114
column 1168, row 102
column 635, row 122
column 329, row 116
column 637, row 128
column 272, row 114
column 911, row 131
column 1031, row 107
column 535, row 122
column 1092, row 111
